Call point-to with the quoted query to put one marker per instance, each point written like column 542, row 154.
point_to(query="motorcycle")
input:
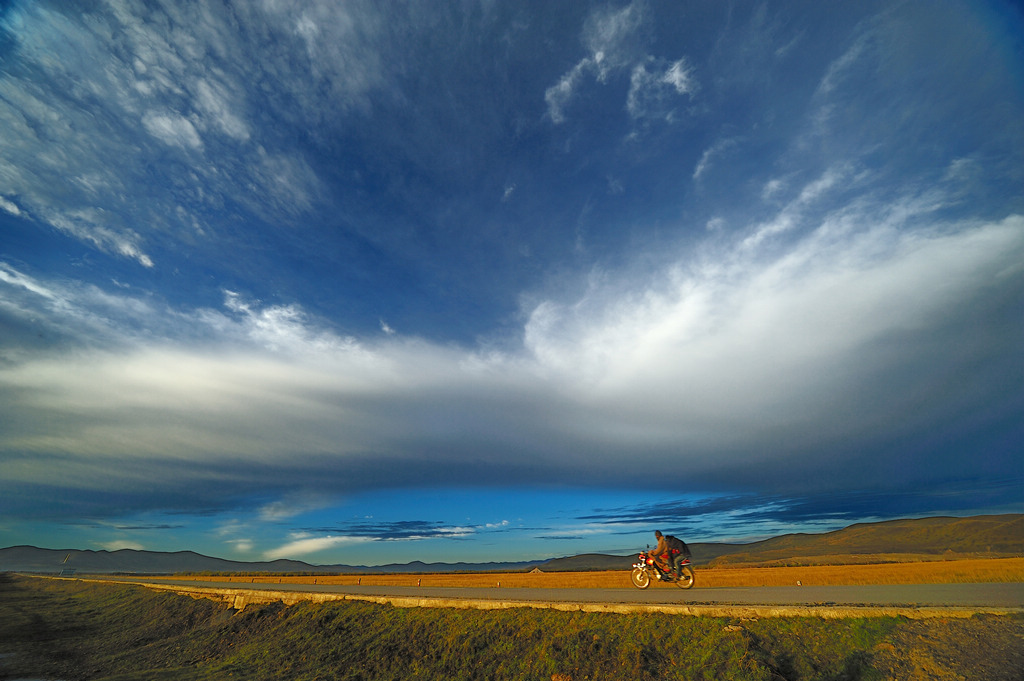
column 647, row 569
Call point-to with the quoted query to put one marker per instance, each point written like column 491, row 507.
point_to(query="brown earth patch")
column 982, row 647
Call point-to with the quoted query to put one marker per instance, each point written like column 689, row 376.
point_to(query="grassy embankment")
column 931, row 572
column 73, row 630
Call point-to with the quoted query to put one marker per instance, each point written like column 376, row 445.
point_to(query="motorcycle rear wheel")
column 641, row 578
column 686, row 578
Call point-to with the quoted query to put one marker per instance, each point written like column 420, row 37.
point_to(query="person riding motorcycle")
column 674, row 549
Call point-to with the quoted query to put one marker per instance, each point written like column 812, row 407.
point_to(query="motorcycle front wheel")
column 685, row 580
column 641, row 578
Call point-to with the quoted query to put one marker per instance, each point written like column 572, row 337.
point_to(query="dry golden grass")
column 945, row 572
column 933, row 572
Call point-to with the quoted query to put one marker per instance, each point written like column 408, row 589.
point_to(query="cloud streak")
column 613, row 39
column 844, row 334
column 317, row 540
column 181, row 75
column 303, row 546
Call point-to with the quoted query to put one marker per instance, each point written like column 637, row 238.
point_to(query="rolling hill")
column 32, row 559
column 993, row 536
column 921, row 538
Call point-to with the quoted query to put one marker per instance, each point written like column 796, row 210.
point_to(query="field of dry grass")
column 70, row 629
column 932, row 572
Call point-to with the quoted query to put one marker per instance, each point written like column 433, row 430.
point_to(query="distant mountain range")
column 32, row 559
column 996, row 536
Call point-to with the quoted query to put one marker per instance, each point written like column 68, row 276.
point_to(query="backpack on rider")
column 677, row 546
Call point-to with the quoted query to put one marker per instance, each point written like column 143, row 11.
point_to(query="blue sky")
column 364, row 282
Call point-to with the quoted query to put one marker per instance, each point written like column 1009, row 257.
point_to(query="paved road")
column 998, row 595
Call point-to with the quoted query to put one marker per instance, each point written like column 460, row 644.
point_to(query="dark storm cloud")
column 781, row 389
column 665, row 512
column 769, row 258
column 392, row 531
column 735, row 513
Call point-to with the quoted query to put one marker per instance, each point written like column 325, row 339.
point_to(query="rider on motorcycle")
column 674, row 549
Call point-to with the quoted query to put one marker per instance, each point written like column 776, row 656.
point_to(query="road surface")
column 910, row 599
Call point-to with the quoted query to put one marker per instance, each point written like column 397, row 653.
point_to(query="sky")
column 374, row 282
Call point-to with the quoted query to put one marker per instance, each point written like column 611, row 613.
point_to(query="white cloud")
column 702, row 359
column 242, row 545
column 841, row 66
column 447, row 532
column 13, row 277
column 680, row 76
column 101, row 98
column 9, row 206
column 688, row 369
column 772, row 188
column 651, row 93
column 710, row 153
column 777, row 333
column 284, row 328
column 120, row 545
column 214, row 102
column 172, row 129
column 291, row 506
column 60, row 310
column 559, row 95
column 962, row 170
column 729, row 347
column 287, row 181
column 612, row 38
column 793, row 213
column 305, row 546
column 340, row 44
column 829, row 179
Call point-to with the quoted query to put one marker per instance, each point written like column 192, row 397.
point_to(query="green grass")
column 71, row 630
